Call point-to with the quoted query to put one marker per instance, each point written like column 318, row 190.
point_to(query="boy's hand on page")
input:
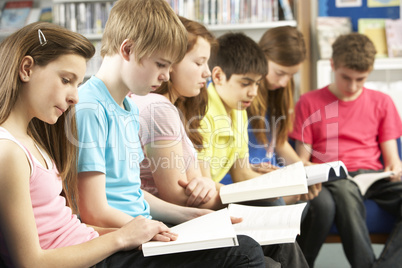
column 199, row 190
column 313, row 191
column 397, row 169
column 263, row 167
column 141, row 230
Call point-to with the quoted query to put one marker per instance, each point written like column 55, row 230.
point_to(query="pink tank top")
column 57, row 226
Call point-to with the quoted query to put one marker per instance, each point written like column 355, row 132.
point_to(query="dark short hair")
column 237, row 53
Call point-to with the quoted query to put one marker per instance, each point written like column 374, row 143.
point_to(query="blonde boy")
column 142, row 39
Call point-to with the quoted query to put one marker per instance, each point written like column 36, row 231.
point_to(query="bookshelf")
column 253, row 25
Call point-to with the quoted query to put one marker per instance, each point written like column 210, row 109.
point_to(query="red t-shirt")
column 350, row 131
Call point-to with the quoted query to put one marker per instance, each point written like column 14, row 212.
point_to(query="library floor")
column 332, row 256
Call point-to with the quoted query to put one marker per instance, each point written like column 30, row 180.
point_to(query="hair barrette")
column 42, row 38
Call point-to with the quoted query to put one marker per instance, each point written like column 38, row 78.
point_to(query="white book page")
column 212, row 226
column 365, row 180
column 290, row 175
column 268, row 225
column 319, row 172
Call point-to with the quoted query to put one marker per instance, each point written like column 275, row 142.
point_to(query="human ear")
column 25, row 70
column 217, row 75
column 126, row 49
column 332, row 64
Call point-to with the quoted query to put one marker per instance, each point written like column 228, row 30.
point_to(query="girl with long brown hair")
column 170, row 118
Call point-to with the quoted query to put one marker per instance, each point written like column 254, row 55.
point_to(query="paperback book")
column 289, row 180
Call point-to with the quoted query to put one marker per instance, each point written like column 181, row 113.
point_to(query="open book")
column 289, row 180
column 268, row 225
column 365, row 180
column 213, row 230
column 337, row 170
column 325, row 172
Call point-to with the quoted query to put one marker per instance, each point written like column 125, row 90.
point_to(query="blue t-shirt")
column 109, row 143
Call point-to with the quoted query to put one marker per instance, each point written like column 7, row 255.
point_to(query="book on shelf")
column 393, row 32
column 15, row 14
column 268, row 225
column 286, row 9
column 328, row 30
column 213, row 230
column 330, row 171
column 375, row 30
column 289, row 180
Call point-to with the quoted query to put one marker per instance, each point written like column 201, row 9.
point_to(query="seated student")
column 43, row 64
column 136, row 59
column 170, row 169
column 170, row 163
column 271, row 119
column 238, row 65
column 348, row 122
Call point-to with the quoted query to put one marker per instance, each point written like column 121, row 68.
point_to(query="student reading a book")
column 348, row 122
column 43, row 64
column 270, row 115
column 170, row 169
column 238, row 65
column 136, row 59
column 163, row 117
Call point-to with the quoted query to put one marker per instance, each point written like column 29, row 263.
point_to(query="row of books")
column 82, row 17
column 211, row 12
column 266, row 225
column 386, row 34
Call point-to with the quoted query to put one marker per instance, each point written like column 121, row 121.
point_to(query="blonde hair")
column 152, row 25
column 54, row 139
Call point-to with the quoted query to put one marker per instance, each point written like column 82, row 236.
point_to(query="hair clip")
column 42, row 38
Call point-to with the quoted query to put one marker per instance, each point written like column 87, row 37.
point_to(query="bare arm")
column 287, row 152
column 177, row 180
column 241, row 170
column 93, row 205
column 19, row 228
column 171, row 213
column 392, row 162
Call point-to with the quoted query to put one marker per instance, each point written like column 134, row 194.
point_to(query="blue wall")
column 326, row 8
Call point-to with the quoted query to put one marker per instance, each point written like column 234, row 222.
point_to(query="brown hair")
column 238, row 54
column 193, row 109
column 53, row 138
column 285, row 46
column 152, row 25
column 354, row 51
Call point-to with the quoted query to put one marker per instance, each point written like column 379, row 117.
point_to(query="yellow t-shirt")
column 225, row 137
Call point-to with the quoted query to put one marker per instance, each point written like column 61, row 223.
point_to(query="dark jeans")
column 350, row 219
column 316, row 225
column 247, row 254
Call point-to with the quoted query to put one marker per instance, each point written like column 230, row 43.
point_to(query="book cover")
column 289, row 180
column 375, row 30
column 213, row 230
column 328, row 29
column 46, row 14
column 393, row 32
column 268, row 225
column 15, row 14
